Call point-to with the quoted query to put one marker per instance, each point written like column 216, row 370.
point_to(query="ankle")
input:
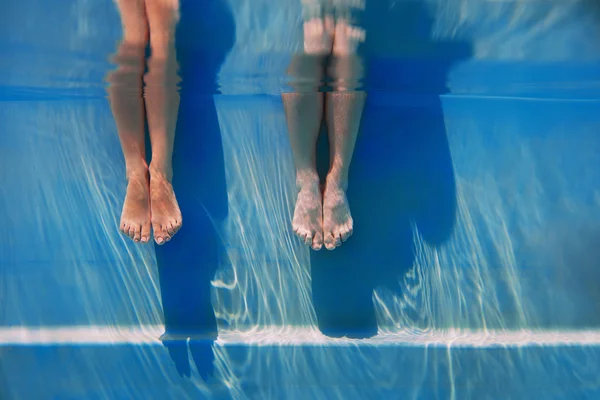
column 161, row 172
column 307, row 180
column 336, row 181
column 136, row 172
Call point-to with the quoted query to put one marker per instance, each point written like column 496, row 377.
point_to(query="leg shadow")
column 188, row 262
column 401, row 173
column 592, row 6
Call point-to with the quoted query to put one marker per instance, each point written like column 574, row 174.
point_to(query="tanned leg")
column 162, row 104
column 127, row 105
column 304, row 114
column 344, row 108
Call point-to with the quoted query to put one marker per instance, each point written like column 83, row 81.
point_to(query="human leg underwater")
column 149, row 200
column 322, row 217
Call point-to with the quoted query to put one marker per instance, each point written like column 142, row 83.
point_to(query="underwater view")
column 300, row 199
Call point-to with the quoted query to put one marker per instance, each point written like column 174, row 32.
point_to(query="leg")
column 125, row 94
column 304, row 113
column 162, row 103
column 343, row 114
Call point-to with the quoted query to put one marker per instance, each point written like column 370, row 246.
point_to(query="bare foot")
column 337, row 220
column 308, row 216
column 135, row 217
column 166, row 216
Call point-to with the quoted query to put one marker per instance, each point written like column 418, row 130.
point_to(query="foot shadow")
column 187, row 263
column 592, row 6
column 401, row 173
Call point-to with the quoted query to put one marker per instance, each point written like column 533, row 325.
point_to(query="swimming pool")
column 473, row 269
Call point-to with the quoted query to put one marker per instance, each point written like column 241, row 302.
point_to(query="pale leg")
column 304, row 113
column 344, row 109
column 162, row 104
column 127, row 105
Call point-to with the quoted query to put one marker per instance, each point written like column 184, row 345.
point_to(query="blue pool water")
column 475, row 190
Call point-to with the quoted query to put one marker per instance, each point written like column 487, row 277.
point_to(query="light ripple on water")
column 261, row 294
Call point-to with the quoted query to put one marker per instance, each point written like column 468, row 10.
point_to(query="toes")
column 137, row 233
column 167, row 231
column 176, row 226
column 171, row 229
column 308, row 239
column 159, row 234
column 124, row 229
column 346, row 232
column 304, row 235
column 337, row 239
column 329, row 241
column 164, row 233
column 312, row 239
column 317, row 242
column 145, row 233
column 130, row 231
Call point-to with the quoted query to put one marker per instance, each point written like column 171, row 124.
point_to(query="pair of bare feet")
column 322, row 215
column 150, row 203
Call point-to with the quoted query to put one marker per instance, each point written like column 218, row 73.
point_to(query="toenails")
column 337, row 240
column 337, row 219
column 307, row 222
column 135, row 207
column 166, row 215
column 317, row 242
column 308, row 239
column 171, row 230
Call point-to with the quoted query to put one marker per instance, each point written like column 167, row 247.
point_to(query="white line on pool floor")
column 286, row 336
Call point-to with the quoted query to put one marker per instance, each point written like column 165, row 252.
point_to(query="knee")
column 305, row 72
column 162, row 72
column 347, row 38
column 346, row 72
column 318, row 36
column 129, row 60
column 346, row 69
column 163, row 16
column 134, row 22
